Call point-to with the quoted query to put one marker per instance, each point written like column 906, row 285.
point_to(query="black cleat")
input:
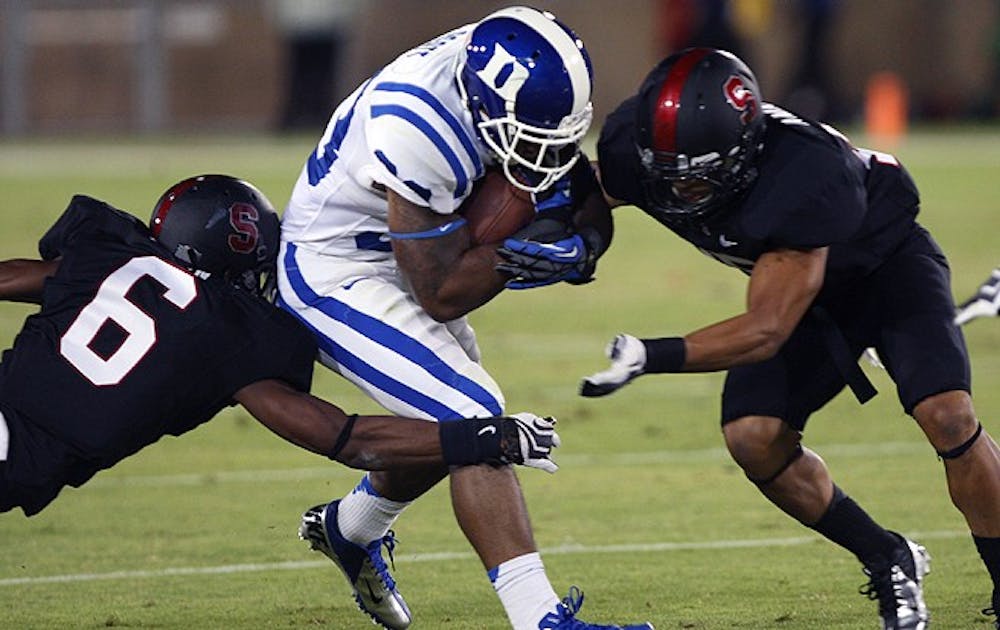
column 896, row 585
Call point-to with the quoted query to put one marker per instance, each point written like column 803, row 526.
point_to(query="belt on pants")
column 843, row 358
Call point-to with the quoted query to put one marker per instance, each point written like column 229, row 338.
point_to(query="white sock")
column 364, row 516
column 524, row 590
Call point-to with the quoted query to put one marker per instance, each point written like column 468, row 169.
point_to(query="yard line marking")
column 569, row 459
column 445, row 556
column 224, row 476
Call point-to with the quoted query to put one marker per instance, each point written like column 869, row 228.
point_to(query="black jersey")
column 813, row 190
column 128, row 347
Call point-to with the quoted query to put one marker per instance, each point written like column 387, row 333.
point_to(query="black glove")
column 532, row 263
column 549, row 249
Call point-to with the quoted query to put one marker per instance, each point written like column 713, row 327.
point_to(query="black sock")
column 846, row 524
column 989, row 551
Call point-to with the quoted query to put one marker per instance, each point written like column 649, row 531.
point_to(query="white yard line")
column 454, row 555
column 617, row 459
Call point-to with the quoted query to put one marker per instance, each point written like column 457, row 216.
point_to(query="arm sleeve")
column 84, row 216
column 279, row 348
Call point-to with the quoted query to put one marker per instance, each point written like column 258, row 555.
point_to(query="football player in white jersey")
column 376, row 262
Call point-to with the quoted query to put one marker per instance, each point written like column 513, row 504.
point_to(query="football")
column 496, row 209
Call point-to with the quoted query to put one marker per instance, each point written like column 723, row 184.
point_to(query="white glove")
column 529, row 439
column 985, row 303
column 628, row 360
column 871, row 355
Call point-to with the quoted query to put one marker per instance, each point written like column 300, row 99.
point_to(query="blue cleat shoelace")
column 375, row 555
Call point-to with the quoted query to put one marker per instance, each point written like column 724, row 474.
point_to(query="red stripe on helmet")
column 166, row 202
column 668, row 102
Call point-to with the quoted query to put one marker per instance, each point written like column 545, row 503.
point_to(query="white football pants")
column 372, row 331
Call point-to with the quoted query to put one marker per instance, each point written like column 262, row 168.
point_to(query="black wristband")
column 664, row 355
column 473, row 441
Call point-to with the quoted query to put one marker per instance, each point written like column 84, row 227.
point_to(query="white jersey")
column 406, row 129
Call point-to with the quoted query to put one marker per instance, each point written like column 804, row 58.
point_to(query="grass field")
column 646, row 515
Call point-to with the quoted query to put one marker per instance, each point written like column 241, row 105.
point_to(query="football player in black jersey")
column 837, row 263
column 151, row 331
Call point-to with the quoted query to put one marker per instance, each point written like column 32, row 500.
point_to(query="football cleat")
column 896, row 584
column 374, row 589
column 994, row 616
column 985, row 303
column 564, row 617
column 993, row 612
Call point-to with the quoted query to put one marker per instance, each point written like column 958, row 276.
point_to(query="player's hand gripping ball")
column 496, row 209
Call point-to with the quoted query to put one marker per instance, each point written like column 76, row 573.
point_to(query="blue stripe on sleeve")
column 318, row 167
column 446, row 115
column 425, row 128
column 422, row 192
column 390, row 338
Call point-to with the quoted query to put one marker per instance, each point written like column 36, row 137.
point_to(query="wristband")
column 472, row 441
column 440, row 230
column 664, row 355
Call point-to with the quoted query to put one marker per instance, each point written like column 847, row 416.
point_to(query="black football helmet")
column 220, row 225
column 699, row 130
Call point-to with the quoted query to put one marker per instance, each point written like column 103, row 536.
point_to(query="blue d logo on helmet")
column 504, row 73
column 527, row 80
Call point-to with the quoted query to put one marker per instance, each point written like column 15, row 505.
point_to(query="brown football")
column 496, row 208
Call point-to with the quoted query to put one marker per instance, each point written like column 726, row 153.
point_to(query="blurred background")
column 157, row 66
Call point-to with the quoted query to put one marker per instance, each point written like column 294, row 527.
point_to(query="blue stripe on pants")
column 388, row 337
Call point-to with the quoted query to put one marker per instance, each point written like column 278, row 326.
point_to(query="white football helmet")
column 527, row 79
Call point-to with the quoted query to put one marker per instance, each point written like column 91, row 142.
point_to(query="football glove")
column 528, row 440
column 871, row 356
column 555, row 198
column 553, row 215
column 537, row 264
column 985, row 303
column 628, row 360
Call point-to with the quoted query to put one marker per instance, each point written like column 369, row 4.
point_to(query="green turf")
column 647, row 515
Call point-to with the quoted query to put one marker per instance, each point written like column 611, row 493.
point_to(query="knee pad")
column 760, row 483
column 959, row 450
